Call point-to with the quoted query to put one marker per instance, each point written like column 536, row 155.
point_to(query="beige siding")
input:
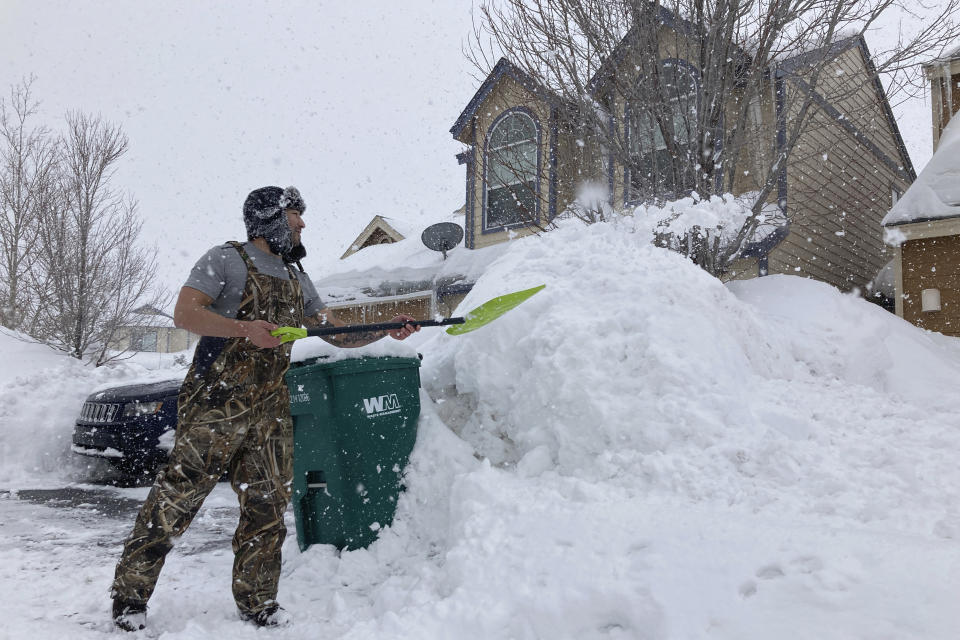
column 383, row 311
column 838, row 189
column 508, row 94
column 177, row 339
column 932, row 263
column 578, row 161
column 758, row 153
column 168, row 339
column 742, row 269
column 448, row 305
column 846, row 83
column 416, row 305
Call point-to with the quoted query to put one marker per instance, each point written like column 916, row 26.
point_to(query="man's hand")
column 407, row 331
column 193, row 314
column 258, row 332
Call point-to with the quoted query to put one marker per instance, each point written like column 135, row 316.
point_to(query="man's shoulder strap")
column 243, row 254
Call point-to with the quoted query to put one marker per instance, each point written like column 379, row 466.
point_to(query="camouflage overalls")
column 234, row 415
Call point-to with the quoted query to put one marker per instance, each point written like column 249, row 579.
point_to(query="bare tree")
column 91, row 274
column 676, row 92
column 28, row 166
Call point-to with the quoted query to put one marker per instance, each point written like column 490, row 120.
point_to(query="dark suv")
column 131, row 426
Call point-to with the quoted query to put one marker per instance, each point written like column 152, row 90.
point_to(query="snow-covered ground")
column 638, row 451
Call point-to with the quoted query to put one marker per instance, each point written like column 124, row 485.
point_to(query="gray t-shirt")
column 222, row 275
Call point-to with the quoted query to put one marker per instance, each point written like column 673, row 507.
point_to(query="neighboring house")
column 376, row 281
column 153, row 330
column 838, row 184
column 381, row 230
column 925, row 222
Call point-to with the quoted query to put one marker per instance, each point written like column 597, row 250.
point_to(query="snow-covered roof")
column 155, row 321
column 402, row 267
column 936, row 192
column 502, row 68
column 378, row 223
column 147, row 316
column 403, row 227
column 948, row 56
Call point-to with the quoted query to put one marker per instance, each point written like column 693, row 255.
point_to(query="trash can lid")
column 354, row 365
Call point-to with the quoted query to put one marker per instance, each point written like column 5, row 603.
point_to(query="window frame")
column 485, row 227
column 137, row 339
column 631, row 196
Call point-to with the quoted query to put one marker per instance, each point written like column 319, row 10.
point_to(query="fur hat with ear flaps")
column 264, row 218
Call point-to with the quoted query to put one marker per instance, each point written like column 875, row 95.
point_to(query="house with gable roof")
column 924, row 225
column 152, row 330
column 380, row 230
column 848, row 166
column 387, row 271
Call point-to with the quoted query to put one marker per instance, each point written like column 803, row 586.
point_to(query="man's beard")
column 296, row 253
column 279, row 237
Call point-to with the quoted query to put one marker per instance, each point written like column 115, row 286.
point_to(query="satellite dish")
column 442, row 236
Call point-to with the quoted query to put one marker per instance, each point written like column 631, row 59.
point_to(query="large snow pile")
column 638, row 451
column 664, row 456
column 636, row 369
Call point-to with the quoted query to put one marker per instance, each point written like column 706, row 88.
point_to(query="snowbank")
column 636, row 369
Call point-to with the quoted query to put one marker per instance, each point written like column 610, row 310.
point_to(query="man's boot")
column 129, row 616
column 272, row 616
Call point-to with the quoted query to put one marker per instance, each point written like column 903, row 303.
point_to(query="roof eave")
column 503, row 68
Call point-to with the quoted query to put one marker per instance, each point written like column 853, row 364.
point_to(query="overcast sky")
column 350, row 102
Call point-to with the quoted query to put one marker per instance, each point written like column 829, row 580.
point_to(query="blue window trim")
column 781, row 105
column 469, row 158
column 611, row 182
column 460, row 288
column 554, row 134
column 761, row 250
column 695, row 74
column 503, row 68
column 486, row 154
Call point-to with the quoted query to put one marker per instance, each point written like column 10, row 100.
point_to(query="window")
column 653, row 170
column 143, row 340
column 512, row 171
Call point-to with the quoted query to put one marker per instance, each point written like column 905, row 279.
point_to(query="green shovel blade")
column 289, row 334
column 491, row 310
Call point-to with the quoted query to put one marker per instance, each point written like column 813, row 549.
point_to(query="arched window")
column 512, row 172
column 654, row 171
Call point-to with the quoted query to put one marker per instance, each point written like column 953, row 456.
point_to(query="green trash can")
column 354, row 426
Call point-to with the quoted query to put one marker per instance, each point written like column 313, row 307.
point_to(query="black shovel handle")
column 381, row 326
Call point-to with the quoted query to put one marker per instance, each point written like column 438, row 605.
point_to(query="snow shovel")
column 473, row 320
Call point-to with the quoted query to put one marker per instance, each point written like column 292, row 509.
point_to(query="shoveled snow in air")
column 638, row 451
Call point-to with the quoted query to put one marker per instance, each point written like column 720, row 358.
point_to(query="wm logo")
column 381, row 405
